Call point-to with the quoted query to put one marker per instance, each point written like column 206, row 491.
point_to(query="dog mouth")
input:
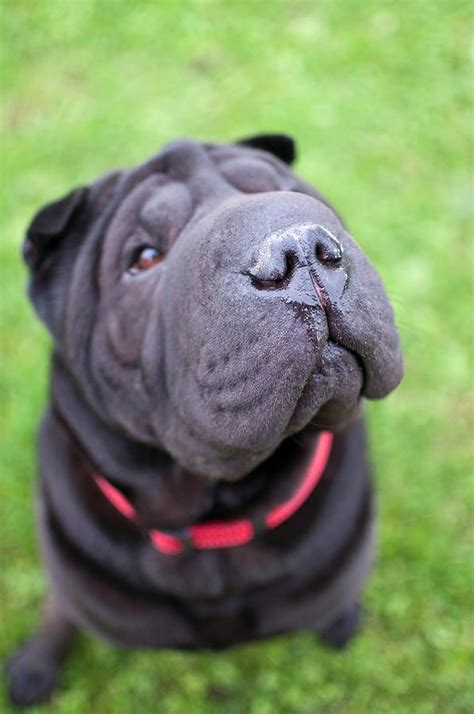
column 328, row 400
column 360, row 365
column 331, row 405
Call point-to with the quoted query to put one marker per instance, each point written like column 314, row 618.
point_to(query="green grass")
column 378, row 96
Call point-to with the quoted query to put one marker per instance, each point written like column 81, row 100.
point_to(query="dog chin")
column 232, row 465
column 335, row 416
column 316, row 413
column 221, row 465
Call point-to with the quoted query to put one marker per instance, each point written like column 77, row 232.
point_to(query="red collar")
column 226, row 534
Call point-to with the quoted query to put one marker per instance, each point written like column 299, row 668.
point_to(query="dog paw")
column 30, row 680
column 339, row 633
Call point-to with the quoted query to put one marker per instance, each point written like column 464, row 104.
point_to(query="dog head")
column 211, row 303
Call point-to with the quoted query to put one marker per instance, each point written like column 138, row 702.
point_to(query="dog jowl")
column 203, row 463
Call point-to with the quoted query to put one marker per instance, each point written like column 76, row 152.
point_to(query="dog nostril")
column 277, row 278
column 329, row 252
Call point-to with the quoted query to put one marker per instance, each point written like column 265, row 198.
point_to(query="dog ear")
column 280, row 145
column 54, row 240
column 51, row 224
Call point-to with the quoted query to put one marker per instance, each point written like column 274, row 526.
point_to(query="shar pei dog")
column 204, row 476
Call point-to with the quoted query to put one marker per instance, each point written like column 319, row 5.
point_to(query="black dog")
column 204, row 476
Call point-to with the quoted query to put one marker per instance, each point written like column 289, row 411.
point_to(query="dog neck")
column 213, row 534
column 165, row 495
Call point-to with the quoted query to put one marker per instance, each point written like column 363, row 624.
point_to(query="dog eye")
column 144, row 258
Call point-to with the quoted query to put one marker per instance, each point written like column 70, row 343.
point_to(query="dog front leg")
column 32, row 671
column 339, row 632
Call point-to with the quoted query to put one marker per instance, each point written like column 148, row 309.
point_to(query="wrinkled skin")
column 193, row 355
column 200, row 382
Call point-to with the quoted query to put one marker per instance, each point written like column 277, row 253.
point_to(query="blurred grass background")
column 378, row 96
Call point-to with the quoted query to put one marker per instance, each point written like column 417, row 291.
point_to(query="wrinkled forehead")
column 206, row 173
column 246, row 169
column 187, row 178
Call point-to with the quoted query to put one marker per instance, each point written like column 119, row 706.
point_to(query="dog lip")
column 361, row 366
column 357, row 359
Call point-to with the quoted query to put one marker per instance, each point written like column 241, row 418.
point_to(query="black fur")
column 199, row 387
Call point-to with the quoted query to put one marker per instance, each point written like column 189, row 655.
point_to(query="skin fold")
column 210, row 315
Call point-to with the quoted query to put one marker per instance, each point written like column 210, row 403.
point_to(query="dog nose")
column 284, row 250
